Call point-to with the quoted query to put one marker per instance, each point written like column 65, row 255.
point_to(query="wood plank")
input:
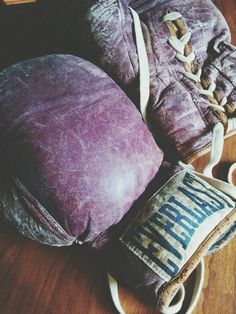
column 13, row 2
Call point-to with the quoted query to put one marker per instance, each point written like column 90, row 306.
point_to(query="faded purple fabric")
column 165, row 172
column 110, row 24
column 76, row 149
column 132, row 272
column 178, row 114
column 124, row 265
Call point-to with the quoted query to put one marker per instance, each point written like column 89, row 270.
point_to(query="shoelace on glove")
column 218, row 103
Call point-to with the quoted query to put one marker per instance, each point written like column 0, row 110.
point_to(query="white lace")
column 230, row 177
column 173, row 308
column 144, row 77
column 179, row 44
column 218, row 131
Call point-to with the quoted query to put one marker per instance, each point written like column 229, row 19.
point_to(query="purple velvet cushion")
column 75, row 145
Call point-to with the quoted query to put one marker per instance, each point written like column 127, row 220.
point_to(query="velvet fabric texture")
column 178, row 114
column 75, row 148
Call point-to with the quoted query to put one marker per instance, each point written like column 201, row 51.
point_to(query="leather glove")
column 76, row 159
column 175, row 61
column 189, row 69
column 75, row 151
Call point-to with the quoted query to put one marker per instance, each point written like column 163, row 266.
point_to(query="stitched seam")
column 44, row 214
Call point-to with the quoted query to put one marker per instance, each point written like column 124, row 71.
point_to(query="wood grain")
column 37, row 279
column 14, row 2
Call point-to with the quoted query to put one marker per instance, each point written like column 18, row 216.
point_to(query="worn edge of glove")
column 171, row 288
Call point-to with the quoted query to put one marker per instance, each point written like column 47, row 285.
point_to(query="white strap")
column 216, row 148
column 179, row 44
column 209, row 91
column 171, row 309
column 144, row 79
column 198, row 285
column 205, row 92
column 223, row 101
column 212, row 87
column 175, row 308
column 224, row 187
column 231, row 127
column 113, row 287
column 215, row 107
column 230, row 175
column 231, row 124
column 194, row 77
column 186, row 59
column 172, row 16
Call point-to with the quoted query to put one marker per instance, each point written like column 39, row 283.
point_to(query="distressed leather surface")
column 75, row 144
column 178, row 114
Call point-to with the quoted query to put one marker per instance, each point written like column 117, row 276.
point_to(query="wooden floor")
column 43, row 280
